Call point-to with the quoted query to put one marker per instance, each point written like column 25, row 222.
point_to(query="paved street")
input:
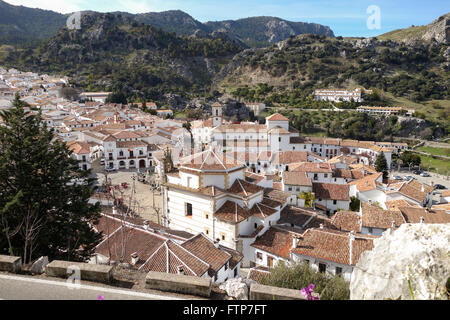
column 13, row 287
column 142, row 200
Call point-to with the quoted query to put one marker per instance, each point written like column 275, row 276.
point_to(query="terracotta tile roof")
column 278, row 186
column 303, row 218
column 375, row 217
column 311, row 167
column 244, row 128
column 331, row 191
column 276, row 195
column 348, row 174
column 170, row 256
column 394, row 205
column 204, row 248
column 445, row 193
column 347, row 221
column 343, row 159
column 275, row 241
column 131, row 144
column 210, row 161
column 367, row 183
column 232, row 212
column 80, row 148
column 414, row 215
column 253, row 177
column 332, row 246
column 296, row 179
column 258, row 274
column 297, row 140
column 278, row 130
column 287, row 157
column 244, row 188
column 411, row 189
column 277, row 117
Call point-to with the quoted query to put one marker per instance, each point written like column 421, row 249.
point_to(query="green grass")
column 400, row 34
column 435, row 151
column 437, row 165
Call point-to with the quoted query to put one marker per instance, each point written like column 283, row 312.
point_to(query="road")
column 14, row 287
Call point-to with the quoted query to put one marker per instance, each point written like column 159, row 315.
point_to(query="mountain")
column 439, row 30
column 287, row 72
column 20, row 24
column 263, row 31
column 113, row 51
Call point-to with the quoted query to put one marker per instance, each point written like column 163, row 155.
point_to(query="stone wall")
column 261, row 292
column 10, row 264
column 178, row 283
column 89, row 272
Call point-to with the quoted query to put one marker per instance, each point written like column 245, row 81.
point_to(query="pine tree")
column 44, row 196
column 381, row 165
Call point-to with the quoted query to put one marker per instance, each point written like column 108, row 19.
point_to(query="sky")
column 359, row 18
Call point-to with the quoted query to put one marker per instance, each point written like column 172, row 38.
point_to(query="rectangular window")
column 226, row 266
column 235, row 272
column 322, row 267
column 256, row 225
column 338, row 270
column 259, row 255
column 189, row 209
column 325, row 175
column 334, row 202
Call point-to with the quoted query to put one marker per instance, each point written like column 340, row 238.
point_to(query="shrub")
column 300, row 275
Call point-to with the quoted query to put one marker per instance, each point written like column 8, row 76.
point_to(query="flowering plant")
column 309, row 293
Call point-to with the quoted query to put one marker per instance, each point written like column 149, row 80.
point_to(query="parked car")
column 409, row 178
column 425, row 174
column 417, row 171
column 439, row 187
column 398, row 178
column 110, row 169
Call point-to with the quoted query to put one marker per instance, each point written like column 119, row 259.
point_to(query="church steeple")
column 217, row 110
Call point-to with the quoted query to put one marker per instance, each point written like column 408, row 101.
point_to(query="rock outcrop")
column 416, row 255
column 237, row 288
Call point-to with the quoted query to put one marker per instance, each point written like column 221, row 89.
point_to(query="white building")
column 337, row 95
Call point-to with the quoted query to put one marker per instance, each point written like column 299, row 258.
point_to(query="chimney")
column 180, row 270
column 146, row 224
column 422, row 189
column 321, row 226
column 393, row 224
column 134, row 259
column 351, row 238
column 422, row 219
column 114, row 210
column 216, row 243
column 294, row 242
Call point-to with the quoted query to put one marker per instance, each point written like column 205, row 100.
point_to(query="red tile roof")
column 277, row 117
column 275, row 241
column 296, row 179
column 331, row 191
column 332, row 246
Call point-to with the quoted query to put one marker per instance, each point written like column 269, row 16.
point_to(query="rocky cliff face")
column 419, row 253
column 439, row 30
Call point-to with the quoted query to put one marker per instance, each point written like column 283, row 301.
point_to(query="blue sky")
column 345, row 17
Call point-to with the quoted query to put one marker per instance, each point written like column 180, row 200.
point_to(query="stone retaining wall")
column 89, row 272
column 178, row 283
column 10, row 264
column 261, row 292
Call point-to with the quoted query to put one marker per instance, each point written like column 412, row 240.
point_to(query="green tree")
column 299, row 275
column 355, row 204
column 410, row 159
column 381, row 165
column 44, row 196
column 308, row 197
